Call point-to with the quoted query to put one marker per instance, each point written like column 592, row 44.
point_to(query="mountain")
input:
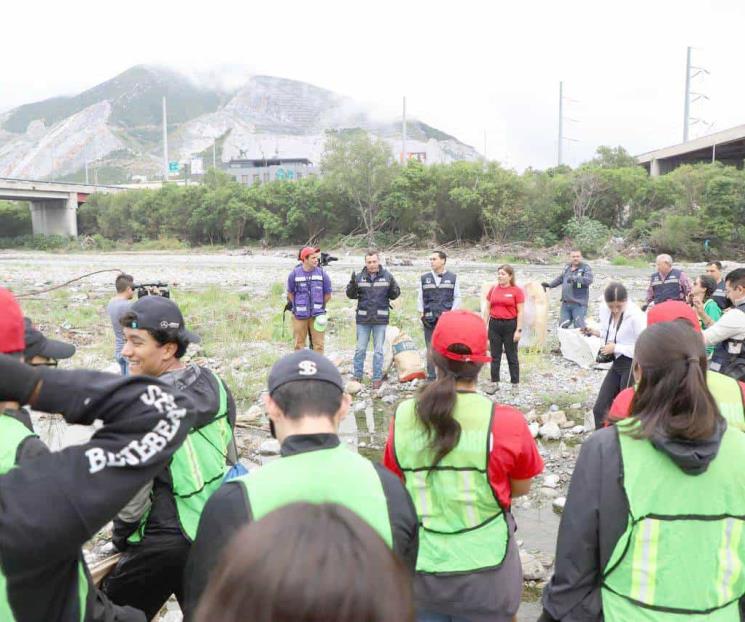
column 116, row 125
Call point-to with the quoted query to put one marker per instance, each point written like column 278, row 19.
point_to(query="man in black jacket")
column 305, row 404
column 52, row 504
column 156, row 529
column 373, row 288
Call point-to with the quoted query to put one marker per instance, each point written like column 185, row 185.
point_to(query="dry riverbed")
column 235, row 302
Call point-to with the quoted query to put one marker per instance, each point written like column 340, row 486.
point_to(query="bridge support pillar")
column 55, row 217
column 654, row 168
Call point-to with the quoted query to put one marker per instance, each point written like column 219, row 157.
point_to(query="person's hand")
column 354, row 277
column 517, row 335
column 698, row 306
column 18, row 381
column 587, row 331
column 608, row 348
column 544, row 285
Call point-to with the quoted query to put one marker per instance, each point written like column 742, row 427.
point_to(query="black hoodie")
column 595, row 518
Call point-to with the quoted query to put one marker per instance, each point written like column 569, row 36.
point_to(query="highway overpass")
column 54, row 205
column 727, row 146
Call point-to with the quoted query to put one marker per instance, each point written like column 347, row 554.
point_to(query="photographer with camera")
column 622, row 322
column 439, row 291
column 117, row 307
column 308, row 291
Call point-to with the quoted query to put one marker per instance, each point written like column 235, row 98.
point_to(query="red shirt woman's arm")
column 514, row 454
column 389, row 455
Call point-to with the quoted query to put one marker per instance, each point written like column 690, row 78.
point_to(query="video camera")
column 152, row 289
column 324, row 260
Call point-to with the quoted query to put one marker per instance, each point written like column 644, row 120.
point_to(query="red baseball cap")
column 463, row 327
column 672, row 310
column 12, row 327
column 306, row 251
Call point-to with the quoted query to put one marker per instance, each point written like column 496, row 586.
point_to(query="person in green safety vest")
column 305, row 403
column 51, row 503
column 341, row 570
column 156, row 529
column 652, row 526
column 463, row 458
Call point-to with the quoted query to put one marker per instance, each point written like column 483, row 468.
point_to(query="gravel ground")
column 555, row 395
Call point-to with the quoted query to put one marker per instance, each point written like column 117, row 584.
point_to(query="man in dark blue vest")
column 728, row 332
column 373, row 288
column 714, row 270
column 667, row 283
column 308, row 290
column 439, row 291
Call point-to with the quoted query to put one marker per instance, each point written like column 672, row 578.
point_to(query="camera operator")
column 116, row 308
column 622, row 322
column 308, row 291
column 439, row 291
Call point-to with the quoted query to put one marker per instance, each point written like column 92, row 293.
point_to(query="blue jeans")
column 363, row 338
column 574, row 313
column 123, row 365
column 431, row 616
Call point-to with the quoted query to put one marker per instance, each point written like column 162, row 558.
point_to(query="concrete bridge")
column 54, row 205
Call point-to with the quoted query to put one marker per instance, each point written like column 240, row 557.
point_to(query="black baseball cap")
column 38, row 345
column 303, row 365
column 159, row 313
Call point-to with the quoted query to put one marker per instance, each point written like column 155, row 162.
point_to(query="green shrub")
column 675, row 236
column 15, row 219
column 588, row 235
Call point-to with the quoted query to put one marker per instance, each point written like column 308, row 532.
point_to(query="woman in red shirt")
column 463, row 458
column 505, row 301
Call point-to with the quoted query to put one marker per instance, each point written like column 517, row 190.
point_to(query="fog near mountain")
column 116, row 125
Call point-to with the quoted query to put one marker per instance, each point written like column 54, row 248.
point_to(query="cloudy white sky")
column 478, row 70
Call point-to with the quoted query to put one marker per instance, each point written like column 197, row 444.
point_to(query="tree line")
column 363, row 196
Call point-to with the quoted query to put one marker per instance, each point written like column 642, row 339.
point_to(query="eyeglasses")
column 49, row 363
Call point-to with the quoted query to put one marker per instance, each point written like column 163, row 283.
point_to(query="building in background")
column 262, row 170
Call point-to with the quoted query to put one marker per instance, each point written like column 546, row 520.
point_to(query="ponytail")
column 436, row 403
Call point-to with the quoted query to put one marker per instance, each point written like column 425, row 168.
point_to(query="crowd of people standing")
column 322, row 533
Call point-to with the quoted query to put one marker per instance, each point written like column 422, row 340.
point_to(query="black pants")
column 615, row 381
column 148, row 573
column 502, row 334
column 428, row 342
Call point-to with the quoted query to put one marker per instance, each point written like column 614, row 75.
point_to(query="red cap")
column 672, row 310
column 462, row 327
column 11, row 324
column 306, row 251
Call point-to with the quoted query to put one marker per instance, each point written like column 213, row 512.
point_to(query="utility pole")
column 687, row 105
column 561, row 120
column 403, row 131
column 485, row 158
column 86, row 170
column 165, row 142
column 214, row 153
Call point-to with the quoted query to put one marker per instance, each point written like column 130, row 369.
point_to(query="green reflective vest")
column 728, row 396
column 335, row 475
column 12, row 434
column 682, row 554
column 462, row 527
column 197, row 469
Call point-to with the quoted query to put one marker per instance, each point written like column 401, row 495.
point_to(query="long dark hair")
column 435, row 404
column 672, row 398
column 616, row 292
column 308, row 563
column 709, row 284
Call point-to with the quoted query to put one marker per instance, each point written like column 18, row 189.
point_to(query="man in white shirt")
column 439, row 291
column 728, row 333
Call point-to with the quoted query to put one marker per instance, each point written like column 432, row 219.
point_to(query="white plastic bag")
column 577, row 347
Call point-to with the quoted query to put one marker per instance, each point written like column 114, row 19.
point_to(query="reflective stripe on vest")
column 335, row 475
column 197, row 468
column 682, row 553
column 372, row 298
column 728, row 396
column 462, row 527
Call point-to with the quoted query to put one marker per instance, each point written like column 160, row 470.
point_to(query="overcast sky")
column 476, row 70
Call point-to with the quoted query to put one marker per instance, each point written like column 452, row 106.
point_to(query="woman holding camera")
column 621, row 323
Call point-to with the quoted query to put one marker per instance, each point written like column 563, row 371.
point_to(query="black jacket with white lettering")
column 51, row 505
